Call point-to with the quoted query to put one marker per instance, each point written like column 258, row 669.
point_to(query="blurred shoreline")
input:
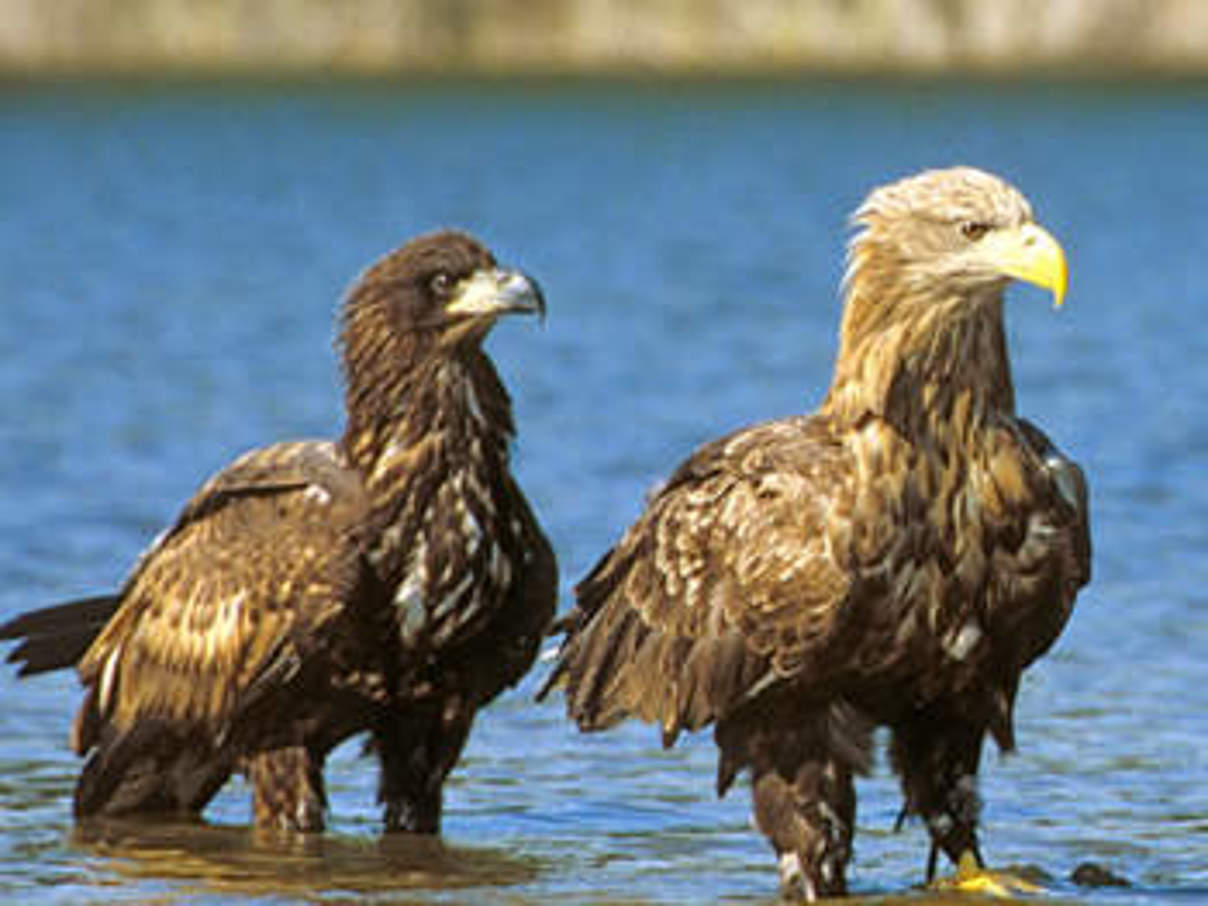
column 694, row 39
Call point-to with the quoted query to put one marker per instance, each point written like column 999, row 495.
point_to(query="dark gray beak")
column 497, row 291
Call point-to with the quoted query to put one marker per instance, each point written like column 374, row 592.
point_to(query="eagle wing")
column 522, row 618
column 728, row 582
column 223, row 604
column 1038, row 574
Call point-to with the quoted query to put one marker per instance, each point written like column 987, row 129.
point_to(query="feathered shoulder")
column 267, row 548
column 728, row 581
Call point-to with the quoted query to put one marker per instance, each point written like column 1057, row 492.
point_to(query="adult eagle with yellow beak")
column 898, row 558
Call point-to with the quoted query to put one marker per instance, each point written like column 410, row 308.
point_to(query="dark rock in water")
column 1091, row 874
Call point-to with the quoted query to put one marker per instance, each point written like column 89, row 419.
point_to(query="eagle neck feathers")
column 411, row 399
column 921, row 363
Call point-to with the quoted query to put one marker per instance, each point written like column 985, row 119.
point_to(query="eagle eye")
column 440, row 283
column 974, row 230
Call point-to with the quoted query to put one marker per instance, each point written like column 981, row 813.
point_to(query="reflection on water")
column 237, row 861
column 243, row 862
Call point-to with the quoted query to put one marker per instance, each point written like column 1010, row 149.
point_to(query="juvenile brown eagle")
column 897, row 558
column 393, row 581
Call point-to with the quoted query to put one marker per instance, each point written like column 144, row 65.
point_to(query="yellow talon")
column 973, row 878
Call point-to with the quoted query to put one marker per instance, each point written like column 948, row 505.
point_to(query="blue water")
column 170, row 262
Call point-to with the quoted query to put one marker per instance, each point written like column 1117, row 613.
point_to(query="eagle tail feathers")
column 56, row 637
column 148, row 769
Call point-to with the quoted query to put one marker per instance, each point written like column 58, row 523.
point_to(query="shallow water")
column 170, row 260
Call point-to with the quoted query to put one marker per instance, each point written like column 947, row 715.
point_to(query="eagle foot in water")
column 972, row 876
column 953, row 827
column 812, row 839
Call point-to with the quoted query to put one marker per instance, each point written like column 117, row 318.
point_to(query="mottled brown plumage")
column 393, row 581
column 897, row 558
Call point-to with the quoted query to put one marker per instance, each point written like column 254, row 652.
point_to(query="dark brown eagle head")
column 925, row 277
column 434, row 293
column 412, row 330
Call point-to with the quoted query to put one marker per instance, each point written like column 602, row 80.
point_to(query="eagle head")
column 958, row 232
column 440, row 290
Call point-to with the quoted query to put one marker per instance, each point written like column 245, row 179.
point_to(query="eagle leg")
column 417, row 751
column 938, row 761
column 287, row 789
column 809, row 820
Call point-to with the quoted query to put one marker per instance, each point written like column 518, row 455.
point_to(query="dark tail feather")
column 149, row 770
column 54, row 638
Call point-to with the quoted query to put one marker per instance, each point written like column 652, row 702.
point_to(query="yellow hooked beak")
column 1029, row 253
